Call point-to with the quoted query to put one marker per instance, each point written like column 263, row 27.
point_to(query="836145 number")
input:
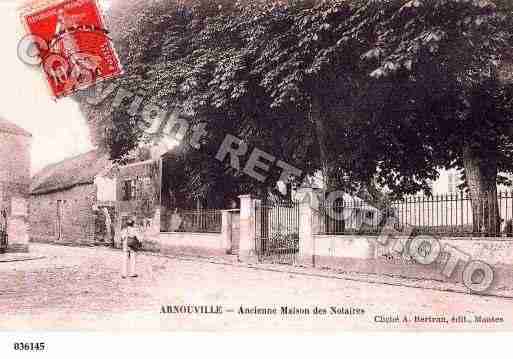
column 20, row 346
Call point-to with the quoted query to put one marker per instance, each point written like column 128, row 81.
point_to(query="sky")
column 58, row 128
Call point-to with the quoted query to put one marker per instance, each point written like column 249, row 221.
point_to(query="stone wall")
column 195, row 244
column 351, row 252
column 187, row 243
column 15, row 169
column 17, row 226
column 78, row 217
column 364, row 254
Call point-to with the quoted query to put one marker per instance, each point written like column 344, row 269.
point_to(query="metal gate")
column 3, row 232
column 277, row 231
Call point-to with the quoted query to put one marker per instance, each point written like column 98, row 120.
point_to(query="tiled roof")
column 69, row 173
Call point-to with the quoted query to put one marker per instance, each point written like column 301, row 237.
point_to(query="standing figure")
column 109, row 227
column 128, row 235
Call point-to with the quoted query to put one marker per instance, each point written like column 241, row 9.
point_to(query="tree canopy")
column 367, row 91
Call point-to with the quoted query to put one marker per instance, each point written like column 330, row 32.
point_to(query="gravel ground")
column 81, row 289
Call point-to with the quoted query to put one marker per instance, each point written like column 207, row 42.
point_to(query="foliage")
column 377, row 92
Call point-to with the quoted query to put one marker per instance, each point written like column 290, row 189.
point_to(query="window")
column 134, row 189
column 138, row 189
column 129, row 190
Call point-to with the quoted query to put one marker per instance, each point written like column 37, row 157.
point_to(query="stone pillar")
column 226, row 231
column 17, row 226
column 247, row 251
column 308, row 203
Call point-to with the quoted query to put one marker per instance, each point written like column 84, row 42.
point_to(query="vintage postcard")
column 221, row 166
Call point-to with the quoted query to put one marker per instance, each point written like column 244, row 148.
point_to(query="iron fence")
column 353, row 216
column 458, row 214
column 277, row 231
column 195, row 221
column 449, row 214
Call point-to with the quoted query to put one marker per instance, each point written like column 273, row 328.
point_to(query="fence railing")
column 277, row 231
column 347, row 217
column 195, row 221
column 457, row 214
column 450, row 214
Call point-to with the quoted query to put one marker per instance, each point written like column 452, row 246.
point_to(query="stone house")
column 85, row 199
column 137, row 194
column 78, row 200
column 15, row 145
column 63, row 198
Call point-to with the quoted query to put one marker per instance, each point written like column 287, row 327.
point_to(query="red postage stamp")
column 73, row 44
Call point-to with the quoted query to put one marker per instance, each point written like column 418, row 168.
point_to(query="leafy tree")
column 187, row 57
column 369, row 91
column 444, row 58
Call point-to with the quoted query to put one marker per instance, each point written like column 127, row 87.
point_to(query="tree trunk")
column 289, row 192
column 332, row 221
column 326, row 167
column 481, row 176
